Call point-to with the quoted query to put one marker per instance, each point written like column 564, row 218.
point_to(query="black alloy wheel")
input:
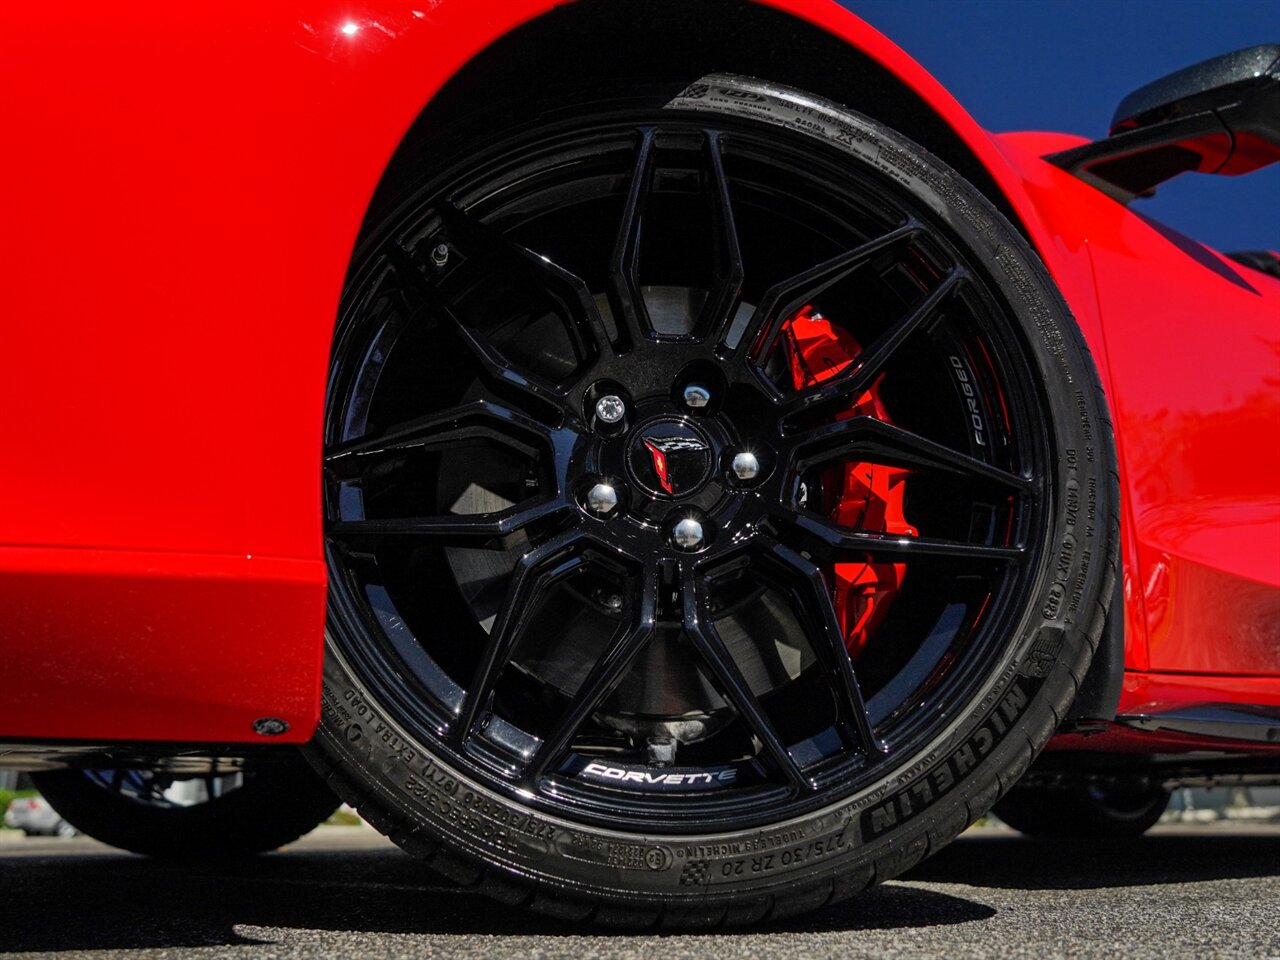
column 681, row 477
column 1085, row 807
column 198, row 809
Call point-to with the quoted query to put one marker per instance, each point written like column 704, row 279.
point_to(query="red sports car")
column 663, row 462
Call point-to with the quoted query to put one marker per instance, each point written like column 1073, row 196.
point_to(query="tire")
column 1084, row 808
column 428, row 763
column 276, row 801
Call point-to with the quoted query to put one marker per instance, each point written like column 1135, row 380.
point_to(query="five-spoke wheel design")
column 676, row 474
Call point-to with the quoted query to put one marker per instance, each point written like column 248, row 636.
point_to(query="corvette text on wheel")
column 686, row 479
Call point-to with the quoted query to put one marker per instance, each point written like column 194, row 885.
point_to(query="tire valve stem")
column 440, row 255
column 662, row 751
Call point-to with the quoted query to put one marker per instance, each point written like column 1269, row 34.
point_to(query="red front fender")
column 181, row 201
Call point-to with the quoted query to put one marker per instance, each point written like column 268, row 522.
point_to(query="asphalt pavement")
column 1201, row 891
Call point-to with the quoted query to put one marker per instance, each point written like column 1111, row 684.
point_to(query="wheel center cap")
column 669, row 458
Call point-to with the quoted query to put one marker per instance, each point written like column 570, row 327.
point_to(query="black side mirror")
column 1219, row 116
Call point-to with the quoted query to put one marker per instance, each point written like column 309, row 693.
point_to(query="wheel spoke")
column 493, row 364
column 535, row 573
column 629, row 311
column 461, row 529
column 783, row 299
column 862, row 372
column 726, row 294
column 481, row 419
column 830, row 647
column 605, row 674
column 876, row 441
column 831, row 542
column 566, row 289
column 733, row 685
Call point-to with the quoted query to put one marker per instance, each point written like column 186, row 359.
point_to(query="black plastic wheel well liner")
column 608, row 41
column 1099, row 696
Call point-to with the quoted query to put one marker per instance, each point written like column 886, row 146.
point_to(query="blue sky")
column 1065, row 64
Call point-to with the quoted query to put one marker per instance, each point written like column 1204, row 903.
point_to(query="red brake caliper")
column 859, row 496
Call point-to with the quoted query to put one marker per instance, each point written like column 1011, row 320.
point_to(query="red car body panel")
column 181, row 209
column 1191, row 342
column 1156, row 693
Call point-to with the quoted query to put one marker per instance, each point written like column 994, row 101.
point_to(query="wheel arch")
column 813, row 45
column 809, row 44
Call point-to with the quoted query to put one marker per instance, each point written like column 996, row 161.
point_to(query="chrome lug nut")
column 745, row 466
column 687, row 534
column 602, row 499
column 611, row 408
column 662, row 751
column 696, row 396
